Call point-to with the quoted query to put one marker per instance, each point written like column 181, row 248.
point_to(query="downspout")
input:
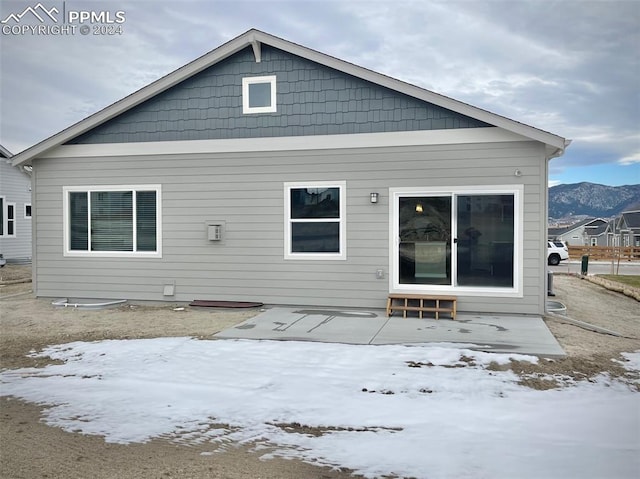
column 557, row 153
column 34, row 235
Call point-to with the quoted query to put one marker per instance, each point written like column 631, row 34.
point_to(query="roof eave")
column 5, row 153
column 135, row 98
column 556, row 143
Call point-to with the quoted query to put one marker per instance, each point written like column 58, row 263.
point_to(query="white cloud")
column 630, row 160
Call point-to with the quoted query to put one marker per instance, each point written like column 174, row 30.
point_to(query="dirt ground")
column 29, row 449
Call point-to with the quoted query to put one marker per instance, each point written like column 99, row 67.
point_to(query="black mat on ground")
column 224, row 304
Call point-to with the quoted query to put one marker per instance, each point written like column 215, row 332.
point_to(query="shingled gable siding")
column 245, row 192
column 311, row 100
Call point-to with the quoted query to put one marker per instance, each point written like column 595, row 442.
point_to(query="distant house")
column 267, row 171
column 15, row 210
column 595, row 233
column 627, row 229
column 588, row 232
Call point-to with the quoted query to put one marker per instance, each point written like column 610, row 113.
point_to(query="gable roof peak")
column 555, row 145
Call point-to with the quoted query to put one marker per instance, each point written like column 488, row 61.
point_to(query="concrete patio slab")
column 331, row 326
column 492, row 333
column 500, row 334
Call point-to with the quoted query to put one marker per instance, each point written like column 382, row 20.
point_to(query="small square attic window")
column 259, row 94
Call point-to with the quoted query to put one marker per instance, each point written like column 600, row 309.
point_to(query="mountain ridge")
column 592, row 199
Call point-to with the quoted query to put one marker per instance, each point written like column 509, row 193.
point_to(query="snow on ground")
column 430, row 411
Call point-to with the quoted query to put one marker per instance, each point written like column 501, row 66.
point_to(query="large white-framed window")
column 459, row 240
column 315, row 220
column 113, row 221
column 259, row 94
column 7, row 218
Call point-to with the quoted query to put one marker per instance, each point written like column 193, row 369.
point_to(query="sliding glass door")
column 454, row 241
column 424, row 253
column 484, row 244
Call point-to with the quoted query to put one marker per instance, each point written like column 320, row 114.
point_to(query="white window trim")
column 246, row 109
column 26, row 216
column 5, row 218
column 518, row 219
column 111, row 254
column 342, row 186
column 14, row 220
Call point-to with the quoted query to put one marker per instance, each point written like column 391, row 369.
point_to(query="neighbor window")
column 315, row 221
column 7, row 218
column 27, row 211
column 112, row 221
column 259, row 94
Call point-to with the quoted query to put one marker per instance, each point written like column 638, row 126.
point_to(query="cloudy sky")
column 568, row 67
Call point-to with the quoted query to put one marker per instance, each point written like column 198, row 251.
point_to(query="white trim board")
column 290, row 143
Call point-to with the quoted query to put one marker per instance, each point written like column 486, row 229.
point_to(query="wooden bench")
column 422, row 304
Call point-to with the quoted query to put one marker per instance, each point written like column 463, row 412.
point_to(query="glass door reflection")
column 425, row 240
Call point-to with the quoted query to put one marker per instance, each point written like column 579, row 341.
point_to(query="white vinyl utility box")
column 214, row 232
column 215, row 229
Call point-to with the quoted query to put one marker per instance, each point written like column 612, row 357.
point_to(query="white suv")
column 556, row 251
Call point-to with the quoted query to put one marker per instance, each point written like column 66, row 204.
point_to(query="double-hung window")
column 113, row 221
column 315, row 223
column 7, row 218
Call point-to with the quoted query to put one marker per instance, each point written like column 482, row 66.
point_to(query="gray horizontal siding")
column 246, row 191
column 311, row 100
column 15, row 187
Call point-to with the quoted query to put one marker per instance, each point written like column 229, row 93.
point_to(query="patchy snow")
column 430, row 411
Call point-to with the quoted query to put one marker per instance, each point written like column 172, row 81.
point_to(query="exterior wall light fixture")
column 373, row 197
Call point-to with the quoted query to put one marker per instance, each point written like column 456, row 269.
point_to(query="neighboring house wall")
column 574, row 237
column 630, row 228
column 594, row 233
column 244, row 191
column 585, row 233
column 599, row 240
column 15, row 200
column 624, row 230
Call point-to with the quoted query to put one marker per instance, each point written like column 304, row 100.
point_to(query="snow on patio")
column 423, row 411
